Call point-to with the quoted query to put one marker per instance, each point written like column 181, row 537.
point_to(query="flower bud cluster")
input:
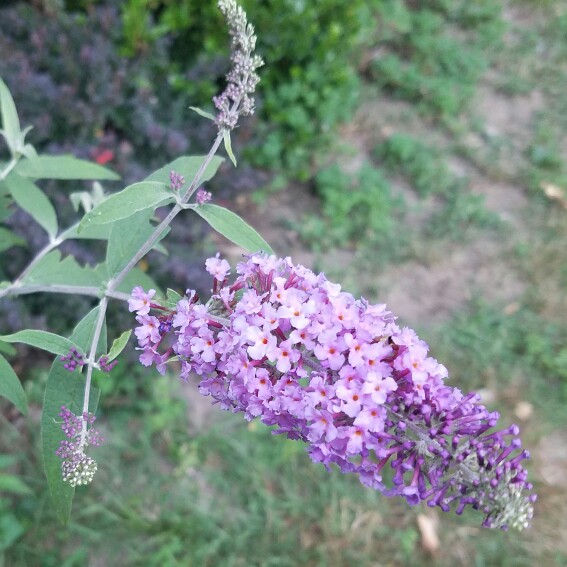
column 203, row 196
column 77, row 467
column 176, row 180
column 72, row 359
column 242, row 79
column 286, row 345
column 105, row 365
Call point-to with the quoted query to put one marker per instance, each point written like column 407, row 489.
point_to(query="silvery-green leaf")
column 172, row 298
column 9, row 239
column 202, row 113
column 231, row 226
column 5, row 348
column 118, row 345
column 93, row 232
column 10, row 121
column 136, row 197
column 11, row 387
column 28, row 151
column 126, row 238
column 52, row 270
column 49, row 342
column 63, row 167
column 33, row 200
column 228, row 146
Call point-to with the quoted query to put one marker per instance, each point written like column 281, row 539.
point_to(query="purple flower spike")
column 286, row 345
column 236, row 99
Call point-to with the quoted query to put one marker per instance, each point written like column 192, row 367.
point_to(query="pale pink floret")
column 378, row 387
column 322, row 427
column 262, row 340
column 148, row 331
column 218, row 268
column 285, row 356
column 140, row 300
column 371, row 419
column 350, row 399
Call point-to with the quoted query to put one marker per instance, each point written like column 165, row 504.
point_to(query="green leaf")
column 5, row 201
column 11, row 387
column 9, row 239
column 231, row 226
column 202, row 113
column 228, row 146
column 137, row 277
column 126, row 238
column 10, row 121
column 51, row 270
column 34, row 201
column 7, row 349
column 136, row 197
column 118, row 345
column 91, row 232
column 172, row 298
column 10, row 484
column 188, row 167
column 10, row 530
column 64, row 388
column 63, row 167
column 40, row 339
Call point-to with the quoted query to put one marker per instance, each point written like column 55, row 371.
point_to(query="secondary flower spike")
column 284, row 344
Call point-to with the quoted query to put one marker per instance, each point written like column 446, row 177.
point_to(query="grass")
column 248, row 498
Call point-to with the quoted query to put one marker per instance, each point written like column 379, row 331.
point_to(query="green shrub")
column 356, row 210
column 434, row 53
column 420, row 163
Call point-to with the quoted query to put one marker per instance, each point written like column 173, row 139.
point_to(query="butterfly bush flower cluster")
column 242, row 79
column 77, row 467
column 286, row 345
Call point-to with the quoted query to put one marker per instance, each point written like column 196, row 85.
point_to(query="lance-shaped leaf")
column 91, row 232
column 118, row 345
column 126, row 238
column 7, row 349
column 9, row 239
column 172, row 298
column 10, row 122
column 202, row 113
column 228, row 146
column 188, row 167
column 231, row 226
column 34, row 201
column 63, row 167
column 136, row 197
column 41, row 339
column 52, row 270
column 65, row 388
column 5, row 200
column 11, row 387
column 10, row 484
